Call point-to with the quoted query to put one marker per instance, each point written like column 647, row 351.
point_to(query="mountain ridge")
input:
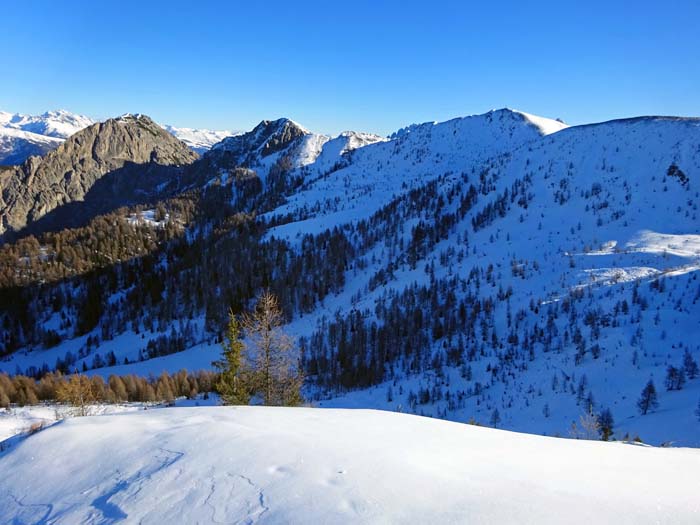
column 68, row 173
column 44, row 132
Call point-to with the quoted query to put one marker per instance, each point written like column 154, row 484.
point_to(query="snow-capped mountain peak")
column 58, row 124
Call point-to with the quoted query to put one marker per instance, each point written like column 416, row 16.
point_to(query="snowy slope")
column 383, row 170
column 276, row 465
column 601, row 214
column 58, row 124
column 17, row 145
column 377, row 171
column 584, row 242
column 22, row 136
column 547, row 126
column 282, row 144
column 200, row 140
column 22, row 420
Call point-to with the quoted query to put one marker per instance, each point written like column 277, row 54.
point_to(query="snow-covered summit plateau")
column 279, row 465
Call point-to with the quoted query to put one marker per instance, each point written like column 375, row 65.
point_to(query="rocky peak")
column 126, row 155
column 268, row 137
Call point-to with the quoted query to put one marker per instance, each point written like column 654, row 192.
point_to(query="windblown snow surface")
column 281, row 465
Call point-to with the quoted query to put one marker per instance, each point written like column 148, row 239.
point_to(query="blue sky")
column 373, row 66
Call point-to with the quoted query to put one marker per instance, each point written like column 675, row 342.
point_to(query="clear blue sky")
column 373, row 66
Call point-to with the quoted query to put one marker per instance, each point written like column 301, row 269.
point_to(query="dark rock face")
column 106, row 165
column 268, row 137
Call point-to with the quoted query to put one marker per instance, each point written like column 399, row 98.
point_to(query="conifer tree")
column 605, row 424
column 690, row 365
column 495, row 418
column 648, row 400
column 231, row 385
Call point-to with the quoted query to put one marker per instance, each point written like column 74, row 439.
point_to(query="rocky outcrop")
column 106, row 165
column 268, row 137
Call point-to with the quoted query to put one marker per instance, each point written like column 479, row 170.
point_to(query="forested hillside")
column 500, row 268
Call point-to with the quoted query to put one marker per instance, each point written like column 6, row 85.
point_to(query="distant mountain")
column 106, row 164
column 58, row 124
column 199, row 140
column 22, row 136
column 16, row 145
column 285, row 145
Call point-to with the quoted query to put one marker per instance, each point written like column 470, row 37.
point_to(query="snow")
column 546, row 126
column 622, row 224
column 24, row 135
column 641, row 226
column 381, row 170
column 282, row 465
column 200, row 140
column 58, row 124
column 20, row 420
column 147, row 218
column 16, row 145
column 687, row 245
column 198, row 357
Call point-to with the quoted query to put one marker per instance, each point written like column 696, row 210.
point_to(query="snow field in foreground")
column 281, row 465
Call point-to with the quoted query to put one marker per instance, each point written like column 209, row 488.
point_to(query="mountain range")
column 503, row 268
column 22, row 136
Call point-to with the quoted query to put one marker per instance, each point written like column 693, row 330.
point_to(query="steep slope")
column 280, row 153
column 583, row 246
column 125, row 155
column 382, row 171
column 270, row 143
column 277, row 465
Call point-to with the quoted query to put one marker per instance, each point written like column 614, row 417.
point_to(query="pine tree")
column 495, row 418
column 231, row 384
column 605, row 424
column 675, row 378
column 648, row 400
column 690, row 365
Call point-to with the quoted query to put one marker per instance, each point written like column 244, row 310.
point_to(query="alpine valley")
column 501, row 269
